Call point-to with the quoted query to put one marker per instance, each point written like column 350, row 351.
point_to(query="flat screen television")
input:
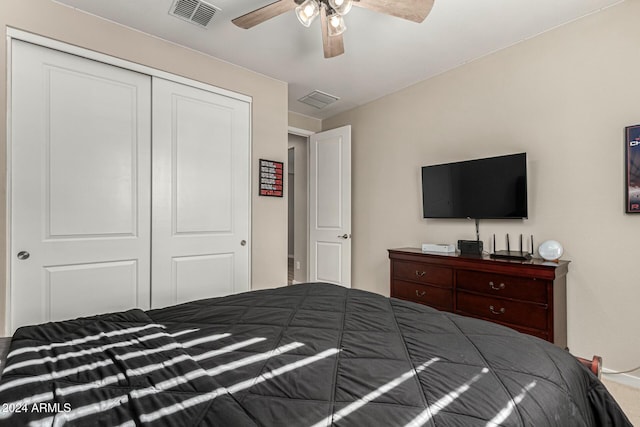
column 494, row 187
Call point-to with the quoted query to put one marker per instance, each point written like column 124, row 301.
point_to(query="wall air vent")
column 194, row 11
column 318, row 99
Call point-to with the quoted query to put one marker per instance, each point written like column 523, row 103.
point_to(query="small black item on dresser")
column 470, row 247
column 515, row 255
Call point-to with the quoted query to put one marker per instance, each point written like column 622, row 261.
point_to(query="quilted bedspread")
column 304, row 355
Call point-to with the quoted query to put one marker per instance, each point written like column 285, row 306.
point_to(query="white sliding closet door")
column 80, row 186
column 200, row 194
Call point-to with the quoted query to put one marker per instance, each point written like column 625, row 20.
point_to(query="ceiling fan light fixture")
column 307, row 12
column 335, row 24
column 341, row 6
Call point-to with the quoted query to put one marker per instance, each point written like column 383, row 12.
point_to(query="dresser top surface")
column 533, row 262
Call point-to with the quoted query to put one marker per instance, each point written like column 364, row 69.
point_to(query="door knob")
column 243, row 242
column 345, row 236
column 23, row 255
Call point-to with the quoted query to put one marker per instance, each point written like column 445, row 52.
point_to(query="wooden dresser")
column 529, row 296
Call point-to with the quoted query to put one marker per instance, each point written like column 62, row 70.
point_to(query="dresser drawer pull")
column 496, row 288
column 493, row 310
column 420, row 293
column 420, row 273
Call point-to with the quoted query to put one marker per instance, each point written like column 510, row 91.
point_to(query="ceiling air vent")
column 318, row 99
column 194, row 11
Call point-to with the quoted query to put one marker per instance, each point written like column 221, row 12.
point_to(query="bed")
column 304, row 355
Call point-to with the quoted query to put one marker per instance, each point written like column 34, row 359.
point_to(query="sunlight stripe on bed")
column 168, row 384
column 140, row 353
column 253, row 359
column 55, row 374
column 227, row 349
column 374, row 394
column 281, row 370
column 186, row 331
column 84, row 339
column 204, row 340
column 507, row 410
column 143, row 370
column 443, row 402
column 85, row 352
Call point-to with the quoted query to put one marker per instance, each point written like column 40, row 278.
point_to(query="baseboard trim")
column 295, row 282
column 625, row 379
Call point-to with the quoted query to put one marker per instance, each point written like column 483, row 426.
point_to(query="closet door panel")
column 203, row 154
column 91, row 153
column 80, row 186
column 203, row 276
column 200, row 223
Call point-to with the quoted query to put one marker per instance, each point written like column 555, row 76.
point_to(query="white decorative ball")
column 550, row 250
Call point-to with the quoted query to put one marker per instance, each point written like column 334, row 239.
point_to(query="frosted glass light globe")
column 550, row 250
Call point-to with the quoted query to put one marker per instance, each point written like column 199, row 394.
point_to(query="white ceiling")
column 382, row 53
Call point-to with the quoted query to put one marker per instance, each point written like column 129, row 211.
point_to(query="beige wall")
column 269, row 113
column 564, row 97
column 306, row 123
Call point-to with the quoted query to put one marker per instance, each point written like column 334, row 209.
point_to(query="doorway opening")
column 291, row 214
column 297, row 171
column 321, row 218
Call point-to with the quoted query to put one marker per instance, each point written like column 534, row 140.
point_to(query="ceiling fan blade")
column 269, row 11
column 413, row 10
column 333, row 45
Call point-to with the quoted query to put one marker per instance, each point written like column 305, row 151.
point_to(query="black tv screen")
column 494, row 187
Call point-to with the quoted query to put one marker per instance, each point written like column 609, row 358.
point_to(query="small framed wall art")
column 632, row 175
column 271, row 173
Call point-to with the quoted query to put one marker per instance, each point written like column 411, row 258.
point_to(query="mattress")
column 304, row 355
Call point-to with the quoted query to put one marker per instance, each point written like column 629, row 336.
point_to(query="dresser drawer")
column 423, row 273
column 502, row 310
column 502, row 286
column 440, row 298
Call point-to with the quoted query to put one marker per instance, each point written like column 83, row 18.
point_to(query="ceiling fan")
column 332, row 14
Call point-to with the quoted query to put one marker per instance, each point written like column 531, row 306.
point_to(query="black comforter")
column 304, row 355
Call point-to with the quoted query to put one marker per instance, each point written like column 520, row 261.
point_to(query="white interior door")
column 201, row 194
column 330, row 206
column 80, row 186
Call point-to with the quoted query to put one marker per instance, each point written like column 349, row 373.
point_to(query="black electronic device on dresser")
column 529, row 295
column 470, row 247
